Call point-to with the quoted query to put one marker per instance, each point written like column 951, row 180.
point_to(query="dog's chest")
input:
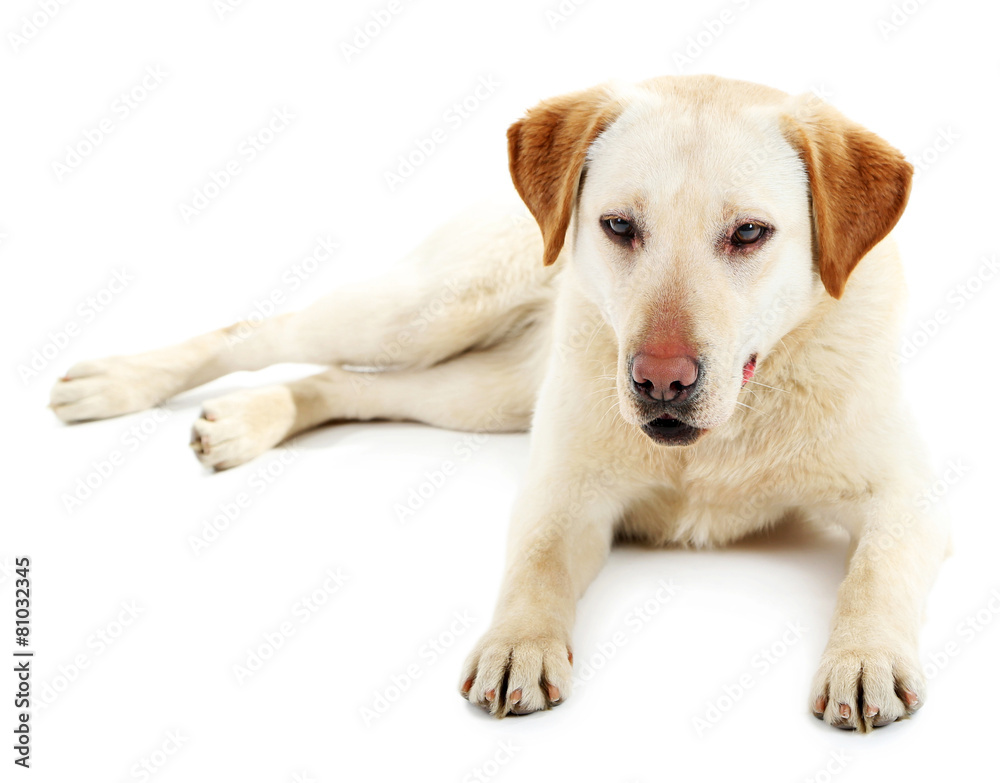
column 710, row 502
column 699, row 519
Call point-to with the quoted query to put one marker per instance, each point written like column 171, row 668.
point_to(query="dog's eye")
column 748, row 233
column 619, row 226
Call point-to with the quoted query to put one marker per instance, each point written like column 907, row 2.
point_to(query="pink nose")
column 663, row 379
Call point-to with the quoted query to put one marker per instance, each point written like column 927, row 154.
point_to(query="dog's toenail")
column 820, row 706
column 467, row 685
column 910, row 698
column 553, row 693
column 845, row 711
column 491, row 694
column 515, row 697
column 871, row 710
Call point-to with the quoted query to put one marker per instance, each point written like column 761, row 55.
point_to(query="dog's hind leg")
column 465, row 288
column 491, row 390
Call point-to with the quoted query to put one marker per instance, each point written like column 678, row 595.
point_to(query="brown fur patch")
column 859, row 183
column 547, row 150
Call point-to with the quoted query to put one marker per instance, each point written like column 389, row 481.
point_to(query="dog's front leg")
column 870, row 674
column 560, row 537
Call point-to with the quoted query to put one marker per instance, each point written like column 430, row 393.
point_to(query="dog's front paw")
column 512, row 673
column 240, row 426
column 864, row 687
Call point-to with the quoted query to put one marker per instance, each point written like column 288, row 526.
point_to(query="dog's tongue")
column 748, row 370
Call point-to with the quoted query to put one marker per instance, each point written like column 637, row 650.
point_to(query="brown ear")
column 859, row 186
column 547, row 150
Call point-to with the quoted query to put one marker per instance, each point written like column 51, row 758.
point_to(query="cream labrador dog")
column 701, row 338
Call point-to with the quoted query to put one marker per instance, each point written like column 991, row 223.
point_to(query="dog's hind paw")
column 109, row 387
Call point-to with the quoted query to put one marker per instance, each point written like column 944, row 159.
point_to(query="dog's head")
column 707, row 217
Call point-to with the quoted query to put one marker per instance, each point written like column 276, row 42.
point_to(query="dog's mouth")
column 671, row 431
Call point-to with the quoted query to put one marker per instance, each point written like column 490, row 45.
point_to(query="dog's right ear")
column 547, row 150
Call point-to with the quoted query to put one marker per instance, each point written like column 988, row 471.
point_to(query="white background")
column 101, row 709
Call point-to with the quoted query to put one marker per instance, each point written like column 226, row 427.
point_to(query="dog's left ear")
column 859, row 186
column 547, row 150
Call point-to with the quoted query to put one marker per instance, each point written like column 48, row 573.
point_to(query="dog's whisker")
column 758, row 383
column 608, row 411
column 604, row 390
column 607, row 391
column 593, row 336
column 751, row 408
column 609, row 407
column 787, row 351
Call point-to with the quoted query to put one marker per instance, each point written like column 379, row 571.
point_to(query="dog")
column 698, row 326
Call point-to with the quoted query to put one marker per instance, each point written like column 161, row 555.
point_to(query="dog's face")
column 693, row 237
column 708, row 218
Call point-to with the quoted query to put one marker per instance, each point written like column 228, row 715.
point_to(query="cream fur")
column 472, row 332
